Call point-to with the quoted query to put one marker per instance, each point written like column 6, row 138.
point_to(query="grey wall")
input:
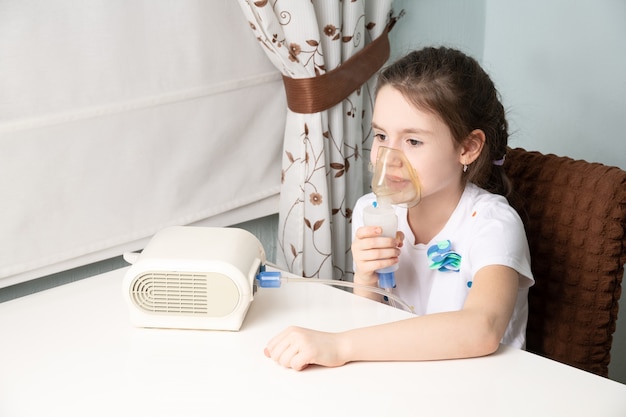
column 560, row 66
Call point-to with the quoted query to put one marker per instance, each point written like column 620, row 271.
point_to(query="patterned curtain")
column 324, row 153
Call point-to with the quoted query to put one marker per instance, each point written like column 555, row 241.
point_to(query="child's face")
column 423, row 137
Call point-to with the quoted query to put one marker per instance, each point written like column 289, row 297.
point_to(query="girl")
column 440, row 109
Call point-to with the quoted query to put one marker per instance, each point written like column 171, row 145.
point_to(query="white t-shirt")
column 484, row 230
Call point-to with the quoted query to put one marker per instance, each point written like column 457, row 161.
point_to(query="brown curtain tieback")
column 315, row 94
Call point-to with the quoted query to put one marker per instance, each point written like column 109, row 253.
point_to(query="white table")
column 72, row 351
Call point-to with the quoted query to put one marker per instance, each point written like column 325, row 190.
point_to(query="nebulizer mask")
column 394, row 182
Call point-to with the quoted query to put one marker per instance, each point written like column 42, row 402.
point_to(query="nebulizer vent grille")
column 171, row 293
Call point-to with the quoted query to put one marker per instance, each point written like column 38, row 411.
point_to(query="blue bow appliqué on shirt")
column 443, row 258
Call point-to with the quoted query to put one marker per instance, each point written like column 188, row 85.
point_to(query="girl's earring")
column 464, row 168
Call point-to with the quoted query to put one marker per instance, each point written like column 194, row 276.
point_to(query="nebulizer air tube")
column 274, row 278
column 394, row 182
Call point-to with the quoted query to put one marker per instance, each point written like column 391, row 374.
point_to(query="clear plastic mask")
column 395, row 180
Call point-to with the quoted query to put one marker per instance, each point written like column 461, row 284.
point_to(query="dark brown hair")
column 453, row 85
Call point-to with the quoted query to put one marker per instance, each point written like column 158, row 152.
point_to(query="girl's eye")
column 381, row 137
column 414, row 142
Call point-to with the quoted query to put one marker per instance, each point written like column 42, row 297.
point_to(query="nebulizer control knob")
column 395, row 183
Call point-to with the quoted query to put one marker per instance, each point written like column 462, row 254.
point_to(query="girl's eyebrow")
column 406, row 130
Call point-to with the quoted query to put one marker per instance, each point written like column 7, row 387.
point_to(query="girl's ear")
column 472, row 146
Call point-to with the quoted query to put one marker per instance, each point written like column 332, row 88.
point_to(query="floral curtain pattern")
column 324, row 154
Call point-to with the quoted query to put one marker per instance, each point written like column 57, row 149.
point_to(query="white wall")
column 560, row 66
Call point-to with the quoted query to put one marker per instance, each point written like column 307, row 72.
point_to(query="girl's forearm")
column 370, row 280
column 452, row 335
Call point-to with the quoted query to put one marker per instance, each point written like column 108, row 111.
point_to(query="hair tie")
column 499, row 162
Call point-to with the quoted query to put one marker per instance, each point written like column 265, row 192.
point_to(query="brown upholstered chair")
column 575, row 217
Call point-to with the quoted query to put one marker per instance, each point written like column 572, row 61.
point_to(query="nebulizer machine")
column 206, row 277
column 394, row 182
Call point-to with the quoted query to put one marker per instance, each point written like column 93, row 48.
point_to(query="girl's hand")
column 371, row 251
column 298, row 348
